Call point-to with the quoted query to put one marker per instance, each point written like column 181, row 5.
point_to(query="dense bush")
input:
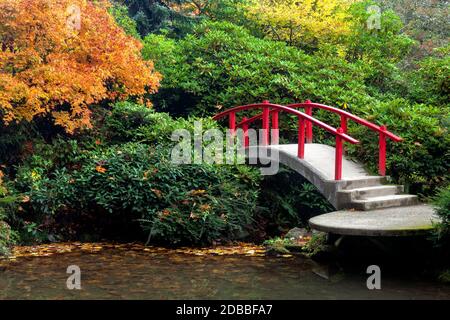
column 113, row 188
column 132, row 122
column 430, row 83
column 422, row 160
column 222, row 65
column 5, row 238
column 8, row 202
column 134, row 182
column 380, row 49
column 442, row 205
column 121, row 15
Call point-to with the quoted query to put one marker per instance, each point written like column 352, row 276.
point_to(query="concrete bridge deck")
column 368, row 205
column 356, row 190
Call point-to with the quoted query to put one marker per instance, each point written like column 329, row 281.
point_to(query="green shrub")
column 442, row 207
column 221, row 65
column 430, row 83
column 5, row 238
column 120, row 14
column 317, row 244
column 380, row 49
column 114, row 187
column 134, row 183
column 8, row 202
column 132, row 122
column 421, row 162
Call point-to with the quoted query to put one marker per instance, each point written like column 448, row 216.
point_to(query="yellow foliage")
column 58, row 57
column 302, row 22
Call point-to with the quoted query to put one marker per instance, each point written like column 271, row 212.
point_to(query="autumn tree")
column 58, row 57
column 302, row 22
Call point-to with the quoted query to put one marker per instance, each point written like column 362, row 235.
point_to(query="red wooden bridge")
column 345, row 183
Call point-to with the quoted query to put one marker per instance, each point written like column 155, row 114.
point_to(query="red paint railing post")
column 275, row 133
column 344, row 123
column 245, row 130
column 309, row 127
column 232, row 123
column 301, row 138
column 338, row 156
column 344, row 128
column 265, row 124
column 382, row 152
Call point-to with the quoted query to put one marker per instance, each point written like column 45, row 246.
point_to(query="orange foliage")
column 58, row 57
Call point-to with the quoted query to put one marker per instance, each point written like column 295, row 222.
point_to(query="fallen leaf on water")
column 46, row 250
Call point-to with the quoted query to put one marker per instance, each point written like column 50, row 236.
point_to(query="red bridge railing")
column 305, row 126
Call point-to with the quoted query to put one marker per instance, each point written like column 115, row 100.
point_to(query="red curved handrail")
column 342, row 113
column 306, row 122
column 303, row 120
column 286, row 109
column 345, row 116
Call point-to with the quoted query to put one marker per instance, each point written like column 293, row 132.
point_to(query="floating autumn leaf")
column 100, row 169
column 46, row 250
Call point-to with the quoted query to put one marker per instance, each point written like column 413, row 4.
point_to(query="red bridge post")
column 338, row 156
column 266, row 124
column 275, row 134
column 382, row 152
column 232, row 123
column 344, row 123
column 245, row 129
column 309, row 127
column 301, row 138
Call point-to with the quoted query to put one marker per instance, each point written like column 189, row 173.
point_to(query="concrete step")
column 369, row 181
column 399, row 200
column 369, row 192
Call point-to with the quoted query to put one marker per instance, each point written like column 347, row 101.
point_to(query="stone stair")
column 370, row 194
column 357, row 189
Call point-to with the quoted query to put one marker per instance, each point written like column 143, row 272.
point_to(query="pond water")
column 165, row 274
